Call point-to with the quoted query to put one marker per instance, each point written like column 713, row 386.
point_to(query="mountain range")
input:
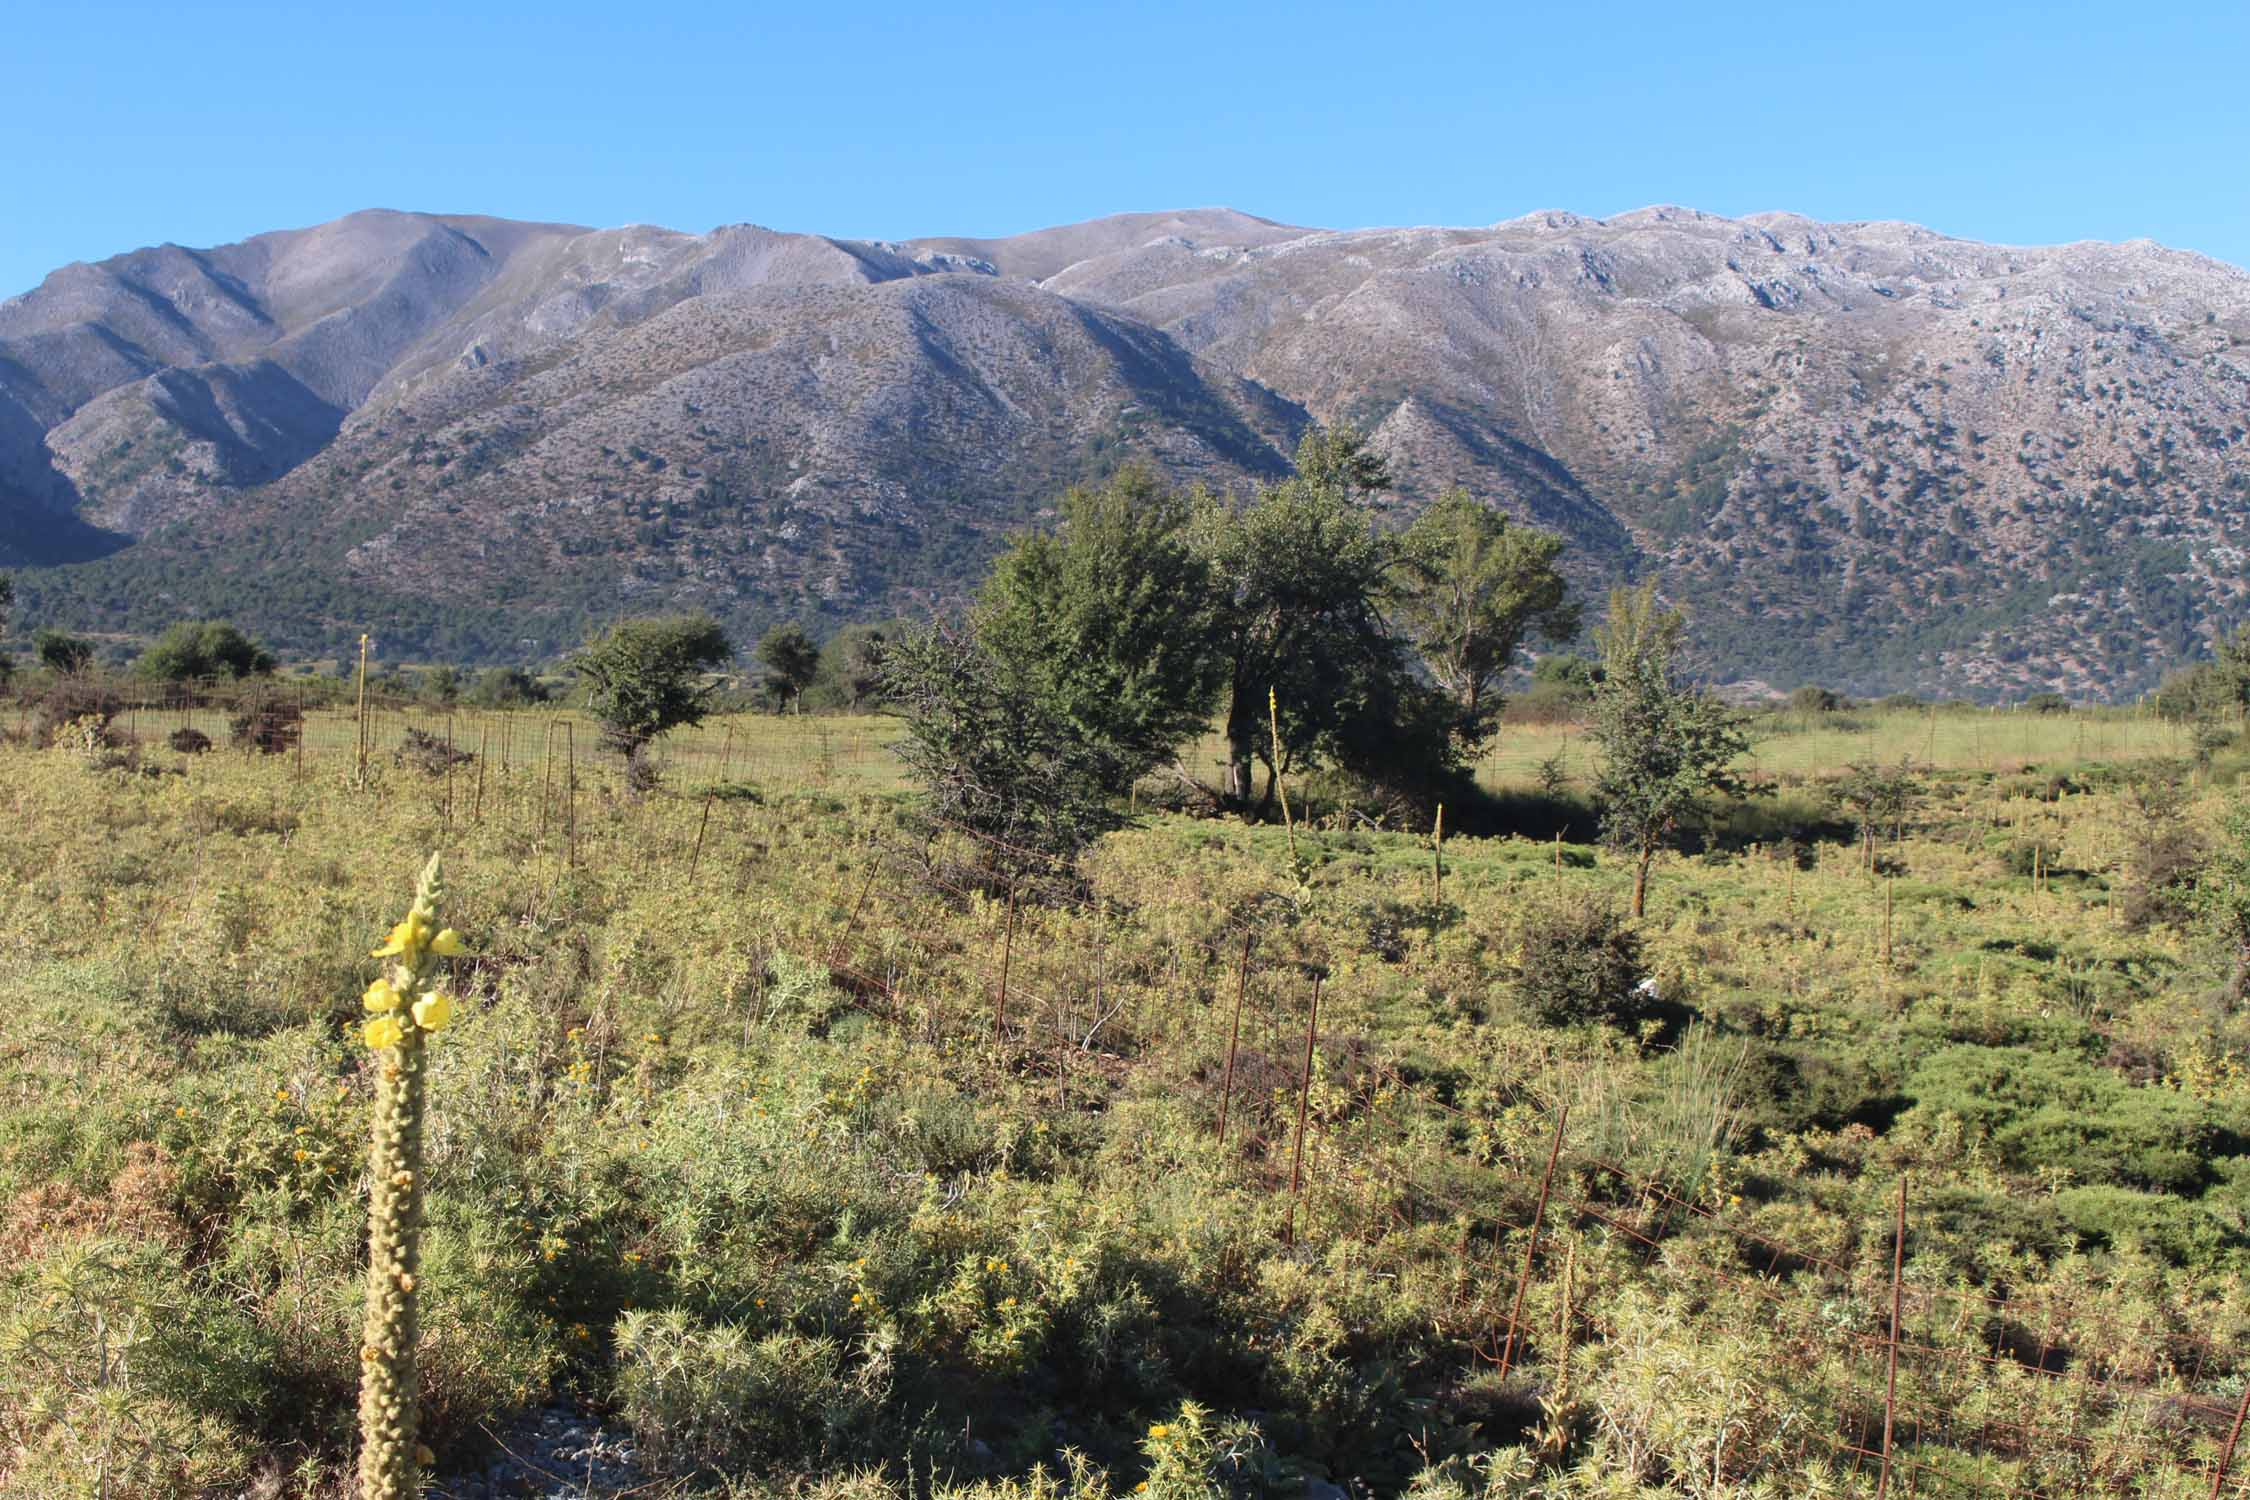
column 1864, row 454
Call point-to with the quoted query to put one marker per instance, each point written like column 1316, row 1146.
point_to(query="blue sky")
column 124, row 125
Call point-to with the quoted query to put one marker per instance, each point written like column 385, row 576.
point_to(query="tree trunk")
column 1640, row 883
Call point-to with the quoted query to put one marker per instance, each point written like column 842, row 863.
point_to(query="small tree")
column 643, row 677
column 507, row 687
column 63, row 655
column 791, row 660
column 1665, row 747
column 995, row 759
column 1876, row 797
column 1109, row 622
column 852, row 664
column 194, row 649
column 1470, row 588
column 441, row 685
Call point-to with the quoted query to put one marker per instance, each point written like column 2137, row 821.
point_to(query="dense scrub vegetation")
column 770, row 1130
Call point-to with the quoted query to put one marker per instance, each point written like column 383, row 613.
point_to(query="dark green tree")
column 791, row 660
column 507, row 687
column 851, row 665
column 1109, row 622
column 191, row 650
column 642, row 677
column 994, row 759
column 1665, row 746
column 1303, row 574
column 63, row 655
column 1469, row 589
column 441, row 685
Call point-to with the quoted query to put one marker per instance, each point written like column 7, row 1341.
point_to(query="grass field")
column 820, row 1168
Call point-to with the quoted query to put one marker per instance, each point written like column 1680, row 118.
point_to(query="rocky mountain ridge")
column 1861, row 453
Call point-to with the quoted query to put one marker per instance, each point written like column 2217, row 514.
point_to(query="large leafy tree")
column 195, row 649
column 1468, row 591
column 1665, row 746
column 1303, row 574
column 792, row 660
column 642, row 677
column 1108, row 621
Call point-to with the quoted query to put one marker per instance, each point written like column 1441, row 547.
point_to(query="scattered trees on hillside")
column 1664, row 746
column 192, row 650
column 642, row 677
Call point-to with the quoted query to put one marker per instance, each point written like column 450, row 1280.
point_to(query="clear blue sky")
column 124, row 125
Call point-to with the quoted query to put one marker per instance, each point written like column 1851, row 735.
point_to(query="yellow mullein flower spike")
column 406, row 939
column 433, row 1010
column 383, row 1031
column 380, row 997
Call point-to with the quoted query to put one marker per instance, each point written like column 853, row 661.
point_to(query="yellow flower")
column 448, row 944
column 409, row 936
column 381, row 997
column 301, row 1153
column 433, row 1010
column 1160, row 1430
column 383, row 1031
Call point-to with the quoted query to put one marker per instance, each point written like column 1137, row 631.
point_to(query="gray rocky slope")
column 1865, row 453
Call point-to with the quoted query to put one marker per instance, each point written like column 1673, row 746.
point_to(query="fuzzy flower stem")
column 390, row 1453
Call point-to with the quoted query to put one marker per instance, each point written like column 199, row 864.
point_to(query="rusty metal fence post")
column 1890, row 1378
column 1234, row 1036
column 1304, row 1100
column 1531, row 1249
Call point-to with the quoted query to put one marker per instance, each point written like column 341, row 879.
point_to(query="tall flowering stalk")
column 405, row 1009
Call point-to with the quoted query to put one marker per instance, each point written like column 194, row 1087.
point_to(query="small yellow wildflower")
column 301, row 1153
column 383, row 1031
column 381, row 998
column 1141, row 1488
column 433, row 1010
column 448, row 944
column 1160, row 1430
